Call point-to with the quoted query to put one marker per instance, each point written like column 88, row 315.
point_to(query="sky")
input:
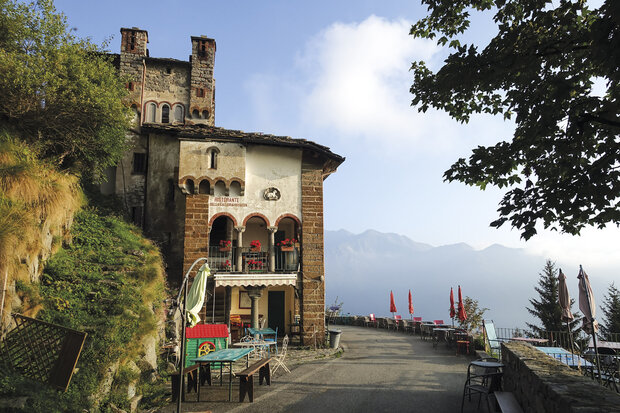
column 337, row 73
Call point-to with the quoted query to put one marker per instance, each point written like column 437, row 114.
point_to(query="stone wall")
column 312, row 263
column 544, row 385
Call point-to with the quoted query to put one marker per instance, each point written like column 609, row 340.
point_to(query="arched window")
column 165, row 114
column 195, row 114
column 205, row 114
column 219, row 189
column 178, row 113
column 151, row 112
column 204, row 187
column 189, row 186
column 212, row 157
column 235, row 188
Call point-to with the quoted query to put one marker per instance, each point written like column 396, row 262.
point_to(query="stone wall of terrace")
column 543, row 385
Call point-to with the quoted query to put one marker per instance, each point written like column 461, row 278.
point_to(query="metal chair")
column 481, row 381
column 278, row 361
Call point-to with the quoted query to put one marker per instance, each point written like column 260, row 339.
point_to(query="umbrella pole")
column 570, row 337
column 598, row 361
column 183, row 326
column 182, row 361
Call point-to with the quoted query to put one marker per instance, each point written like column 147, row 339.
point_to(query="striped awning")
column 254, row 280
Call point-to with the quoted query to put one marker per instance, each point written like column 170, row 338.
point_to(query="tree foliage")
column 547, row 307
column 611, row 312
column 562, row 164
column 475, row 315
column 61, row 94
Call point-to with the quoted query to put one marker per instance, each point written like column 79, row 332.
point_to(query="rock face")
column 30, row 268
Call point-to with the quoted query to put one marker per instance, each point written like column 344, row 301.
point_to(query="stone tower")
column 133, row 51
column 202, row 85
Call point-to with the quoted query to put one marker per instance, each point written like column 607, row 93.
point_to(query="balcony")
column 243, row 260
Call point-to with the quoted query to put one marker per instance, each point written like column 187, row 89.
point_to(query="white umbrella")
column 588, row 306
column 567, row 315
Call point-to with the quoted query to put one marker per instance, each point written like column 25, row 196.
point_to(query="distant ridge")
column 361, row 269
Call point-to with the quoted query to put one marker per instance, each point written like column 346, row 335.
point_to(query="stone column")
column 254, row 293
column 240, row 231
column 272, row 248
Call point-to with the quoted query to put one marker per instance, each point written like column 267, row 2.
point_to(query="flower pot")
column 291, row 248
column 224, row 249
column 255, row 249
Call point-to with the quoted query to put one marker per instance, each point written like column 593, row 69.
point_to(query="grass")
column 104, row 278
column 108, row 282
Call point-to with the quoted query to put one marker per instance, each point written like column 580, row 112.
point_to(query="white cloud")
column 358, row 78
column 349, row 88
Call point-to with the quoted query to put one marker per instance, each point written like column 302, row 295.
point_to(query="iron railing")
column 246, row 260
column 554, row 338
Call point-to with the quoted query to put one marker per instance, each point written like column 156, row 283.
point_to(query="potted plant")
column 225, row 245
column 225, row 266
column 255, row 246
column 287, row 244
column 255, row 265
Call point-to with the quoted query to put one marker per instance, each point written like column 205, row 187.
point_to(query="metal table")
column 256, row 343
column 228, row 355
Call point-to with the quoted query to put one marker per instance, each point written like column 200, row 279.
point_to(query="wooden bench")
column 507, row 402
column 192, row 381
column 246, row 378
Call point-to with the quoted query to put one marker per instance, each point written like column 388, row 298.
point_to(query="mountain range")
column 362, row 269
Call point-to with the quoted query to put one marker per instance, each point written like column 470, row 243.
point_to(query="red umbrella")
column 452, row 310
column 392, row 305
column 462, row 315
column 410, row 304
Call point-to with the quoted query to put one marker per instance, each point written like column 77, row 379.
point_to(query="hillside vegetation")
column 103, row 278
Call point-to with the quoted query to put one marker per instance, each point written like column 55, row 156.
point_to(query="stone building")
column 251, row 203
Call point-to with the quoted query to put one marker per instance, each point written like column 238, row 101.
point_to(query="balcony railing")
column 246, row 260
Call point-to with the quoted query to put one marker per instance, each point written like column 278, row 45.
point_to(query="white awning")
column 254, row 280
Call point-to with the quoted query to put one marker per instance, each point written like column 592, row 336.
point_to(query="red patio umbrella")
column 410, row 305
column 462, row 314
column 452, row 310
column 392, row 305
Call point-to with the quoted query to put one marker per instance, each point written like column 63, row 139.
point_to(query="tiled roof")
column 207, row 331
column 220, row 134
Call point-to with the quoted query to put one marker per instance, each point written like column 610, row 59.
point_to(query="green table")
column 229, row 355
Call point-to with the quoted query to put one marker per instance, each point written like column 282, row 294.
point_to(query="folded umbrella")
column 462, row 314
column 196, row 295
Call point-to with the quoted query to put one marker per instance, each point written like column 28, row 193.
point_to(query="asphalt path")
column 379, row 371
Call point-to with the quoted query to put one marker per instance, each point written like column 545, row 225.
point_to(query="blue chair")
column 275, row 338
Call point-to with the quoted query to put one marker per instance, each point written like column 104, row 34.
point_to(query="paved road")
column 379, row 371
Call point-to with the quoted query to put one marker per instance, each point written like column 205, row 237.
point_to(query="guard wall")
column 544, row 385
